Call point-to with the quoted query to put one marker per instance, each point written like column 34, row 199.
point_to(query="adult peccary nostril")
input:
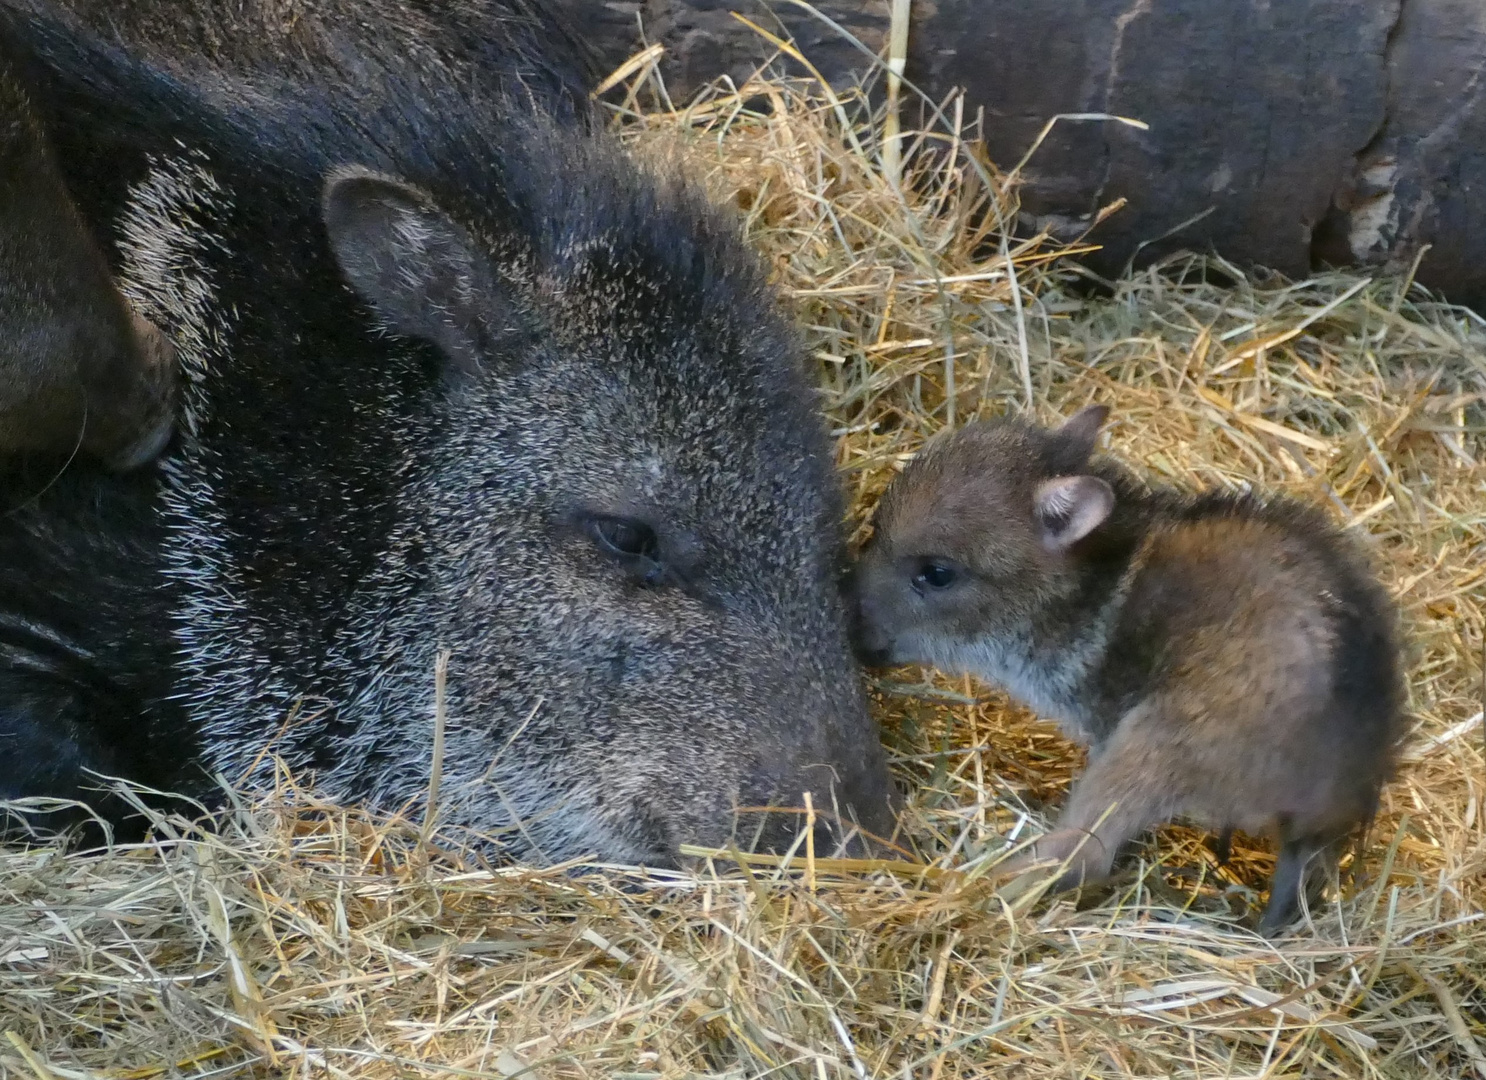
column 780, row 824
column 463, row 377
column 1227, row 658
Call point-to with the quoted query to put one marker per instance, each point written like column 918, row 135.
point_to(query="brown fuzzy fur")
column 1228, row 659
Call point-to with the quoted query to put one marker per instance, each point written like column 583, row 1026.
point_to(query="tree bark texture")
column 1284, row 133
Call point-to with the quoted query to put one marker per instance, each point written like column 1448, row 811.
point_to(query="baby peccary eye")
column 626, row 537
column 934, row 575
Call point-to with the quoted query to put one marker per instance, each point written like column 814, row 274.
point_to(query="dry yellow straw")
column 897, row 60
column 309, row 939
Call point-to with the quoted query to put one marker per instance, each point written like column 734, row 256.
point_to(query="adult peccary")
column 584, row 457
column 1227, row 658
column 79, row 373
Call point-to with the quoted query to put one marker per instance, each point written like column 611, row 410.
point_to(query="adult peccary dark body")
column 79, row 373
column 585, row 459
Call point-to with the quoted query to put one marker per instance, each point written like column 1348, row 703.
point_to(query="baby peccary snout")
column 1227, row 659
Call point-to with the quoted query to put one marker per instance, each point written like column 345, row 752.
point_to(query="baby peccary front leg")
column 1143, row 777
column 1121, row 794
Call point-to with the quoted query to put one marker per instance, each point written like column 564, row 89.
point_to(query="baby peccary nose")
column 1226, row 658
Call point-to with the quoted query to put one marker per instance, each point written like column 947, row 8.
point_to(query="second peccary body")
column 1227, row 659
column 79, row 372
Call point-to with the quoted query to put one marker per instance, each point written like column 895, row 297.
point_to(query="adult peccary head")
column 585, row 460
column 78, row 372
column 628, row 520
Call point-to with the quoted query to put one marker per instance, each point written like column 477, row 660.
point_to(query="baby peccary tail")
column 1227, row 659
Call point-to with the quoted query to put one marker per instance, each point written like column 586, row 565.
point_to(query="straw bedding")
column 305, row 939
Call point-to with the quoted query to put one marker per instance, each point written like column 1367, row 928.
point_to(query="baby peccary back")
column 1227, row 659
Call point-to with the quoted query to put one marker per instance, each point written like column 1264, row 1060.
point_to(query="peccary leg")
column 1290, row 876
column 1223, row 849
column 1122, row 793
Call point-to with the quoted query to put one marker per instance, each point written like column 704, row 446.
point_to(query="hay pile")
column 310, row 940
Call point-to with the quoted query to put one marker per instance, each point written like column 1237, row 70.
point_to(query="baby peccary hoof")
column 1223, row 846
column 1081, row 855
column 1302, row 867
column 1086, row 860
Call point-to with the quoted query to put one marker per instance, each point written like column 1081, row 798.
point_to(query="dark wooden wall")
column 1306, row 132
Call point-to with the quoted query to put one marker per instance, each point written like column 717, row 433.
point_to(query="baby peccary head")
column 1228, row 659
column 631, row 526
column 976, row 541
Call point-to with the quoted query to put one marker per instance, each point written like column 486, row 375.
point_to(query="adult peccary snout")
column 464, row 377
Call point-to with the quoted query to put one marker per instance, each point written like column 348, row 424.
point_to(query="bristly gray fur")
column 346, row 499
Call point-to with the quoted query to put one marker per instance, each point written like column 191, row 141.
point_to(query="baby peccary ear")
column 1070, row 507
column 406, row 258
column 1074, row 439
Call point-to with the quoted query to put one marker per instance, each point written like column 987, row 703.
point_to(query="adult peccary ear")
column 1074, row 440
column 1068, row 508
column 419, row 269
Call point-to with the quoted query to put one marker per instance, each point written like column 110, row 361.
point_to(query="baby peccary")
column 1227, row 659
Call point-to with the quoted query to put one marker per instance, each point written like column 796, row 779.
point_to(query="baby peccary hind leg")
column 1223, row 847
column 1293, row 869
column 1114, row 802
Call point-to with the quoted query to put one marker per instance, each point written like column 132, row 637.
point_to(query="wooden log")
column 1421, row 181
column 1255, row 111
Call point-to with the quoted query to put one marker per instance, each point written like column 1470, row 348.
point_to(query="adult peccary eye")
column 622, row 536
column 934, row 575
